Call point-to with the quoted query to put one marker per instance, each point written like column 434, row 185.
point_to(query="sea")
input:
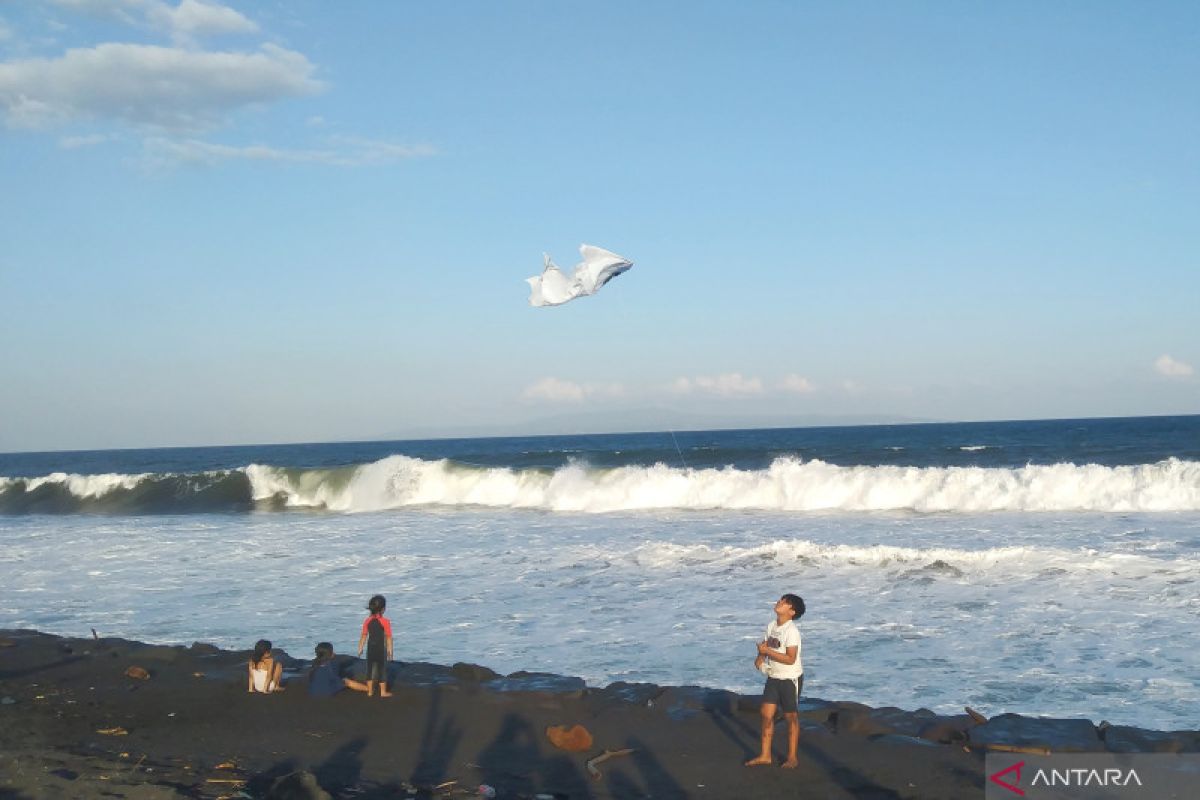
column 1037, row 567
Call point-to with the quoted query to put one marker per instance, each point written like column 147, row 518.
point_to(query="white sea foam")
column 86, row 486
column 787, row 485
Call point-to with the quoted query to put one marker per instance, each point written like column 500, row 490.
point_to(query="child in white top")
column 779, row 659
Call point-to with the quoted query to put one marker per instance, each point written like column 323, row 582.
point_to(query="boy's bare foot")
column 791, row 763
column 758, row 762
column 385, row 693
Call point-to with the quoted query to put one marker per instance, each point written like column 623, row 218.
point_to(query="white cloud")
column 161, row 87
column 195, row 18
column 183, row 22
column 797, row 384
column 161, row 152
column 5, row 31
column 1170, row 367
column 558, row 390
column 729, row 384
column 76, row 142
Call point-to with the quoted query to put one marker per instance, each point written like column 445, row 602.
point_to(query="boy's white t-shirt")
column 787, row 635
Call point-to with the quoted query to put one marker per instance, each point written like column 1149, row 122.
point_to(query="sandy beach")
column 73, row 723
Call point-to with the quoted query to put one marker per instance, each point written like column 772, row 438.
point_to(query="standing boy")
column 377, row 636
column 779, row 658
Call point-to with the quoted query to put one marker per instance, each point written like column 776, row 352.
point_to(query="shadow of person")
column 513, row 763
column 438, row 742
column 655, row 780
column 343, row 767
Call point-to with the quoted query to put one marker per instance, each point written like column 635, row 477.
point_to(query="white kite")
column 553, row 288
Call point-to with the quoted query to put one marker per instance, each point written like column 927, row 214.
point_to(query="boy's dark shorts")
column 377, row 670
column 783, row 692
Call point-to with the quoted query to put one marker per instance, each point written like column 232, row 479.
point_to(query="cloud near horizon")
column 728, row 384
column 559, row 390
column 797, row 384
column 1172, row 368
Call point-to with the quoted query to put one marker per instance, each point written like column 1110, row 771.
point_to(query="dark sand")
column 194, row 731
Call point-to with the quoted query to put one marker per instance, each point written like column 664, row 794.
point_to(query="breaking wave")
column 789, row 484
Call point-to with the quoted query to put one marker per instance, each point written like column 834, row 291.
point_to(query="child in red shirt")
column 377, row 636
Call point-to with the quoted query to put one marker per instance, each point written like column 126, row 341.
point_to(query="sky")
column 233, row 223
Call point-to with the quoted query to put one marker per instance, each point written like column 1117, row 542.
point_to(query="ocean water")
column 1037, row 567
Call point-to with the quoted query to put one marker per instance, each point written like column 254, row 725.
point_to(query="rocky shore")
column 102, row 717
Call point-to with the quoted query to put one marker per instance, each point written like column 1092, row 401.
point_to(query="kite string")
column 677, row 450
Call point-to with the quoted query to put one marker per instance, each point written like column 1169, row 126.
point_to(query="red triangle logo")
column 1014, row 768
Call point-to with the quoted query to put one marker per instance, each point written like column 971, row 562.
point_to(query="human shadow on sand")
column 746, row 736
column 439, row 741
column 514, row 765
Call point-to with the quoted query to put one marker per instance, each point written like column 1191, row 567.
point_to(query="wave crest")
column 789, row 484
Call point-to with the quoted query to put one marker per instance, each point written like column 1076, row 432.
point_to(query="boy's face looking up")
column 784, row 609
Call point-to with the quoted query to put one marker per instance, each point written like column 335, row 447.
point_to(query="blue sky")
column 296, row 221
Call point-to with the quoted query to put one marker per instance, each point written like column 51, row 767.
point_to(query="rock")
column 205, row 649
column 137, row 673
column 638, row 694
column 947, row 730
column 1127, row 739
column 574, row 740
column 162, row 653
column 300, row 785
column 682, row 702
column 473, row 672
column 883, row 721
column 560, row 686
column 1057, row 735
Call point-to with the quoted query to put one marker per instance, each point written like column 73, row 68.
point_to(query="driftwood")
column 600, row 759
column 1016, row 748
column 976, row 717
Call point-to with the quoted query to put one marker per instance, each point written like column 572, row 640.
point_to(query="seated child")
column 325, row 679
column 265, row 673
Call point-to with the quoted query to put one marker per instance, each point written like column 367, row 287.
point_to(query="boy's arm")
column 389, row 647
column 249, row 677
column 362, row 641
column 766, row 651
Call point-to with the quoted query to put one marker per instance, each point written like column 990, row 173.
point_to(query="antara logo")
column 1086, row 777
column 1064, row 777
column 996, row 778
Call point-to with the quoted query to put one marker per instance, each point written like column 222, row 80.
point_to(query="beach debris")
column 486, row 791
column 197, row 674
column 7, row 701
column 1015, row 748
column 7, row 643
column 95, row 635
column 301, row 785
column 592, row 762
column 115, row 731
column 553, row 288
column 137, row 673
column 226, row 765
column 979, row 719
column 574, row 740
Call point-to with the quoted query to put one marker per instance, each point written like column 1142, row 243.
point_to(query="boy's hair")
column 261, row 648
column 797, row 604
column 324, row 651
column 377, row 604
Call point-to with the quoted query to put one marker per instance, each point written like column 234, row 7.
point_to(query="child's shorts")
column 783, row 692
column 377, row 670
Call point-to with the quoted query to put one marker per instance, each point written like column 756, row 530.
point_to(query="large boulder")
column 1056, row 735
column 1126, row 739
column 682, row 702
